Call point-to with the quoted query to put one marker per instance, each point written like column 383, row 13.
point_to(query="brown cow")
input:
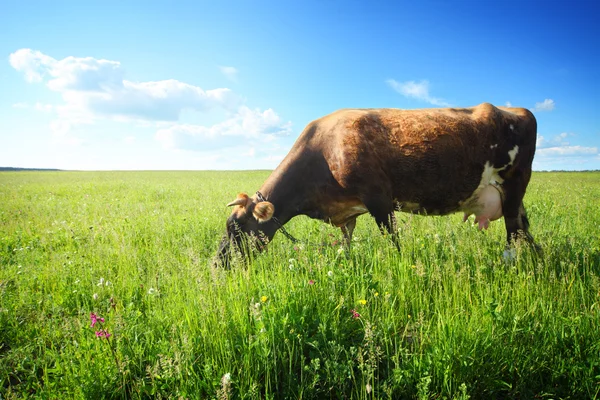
column 432, row 161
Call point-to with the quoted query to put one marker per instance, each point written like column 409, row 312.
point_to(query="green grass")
column 444, row 318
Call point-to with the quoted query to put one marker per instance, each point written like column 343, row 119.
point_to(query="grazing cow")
column 432, row 161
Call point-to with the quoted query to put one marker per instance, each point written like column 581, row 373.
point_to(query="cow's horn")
column 237, row 202
column 242, row 200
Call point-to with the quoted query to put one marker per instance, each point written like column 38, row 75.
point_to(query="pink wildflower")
column 311, row 282
column 95, row 319
column 355, row 314
column 102, row 333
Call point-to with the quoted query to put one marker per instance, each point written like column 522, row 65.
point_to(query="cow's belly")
column 484, row 200
column 340, row 212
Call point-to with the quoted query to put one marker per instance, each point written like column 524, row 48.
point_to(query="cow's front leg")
column 347, row 230
column 386, row 219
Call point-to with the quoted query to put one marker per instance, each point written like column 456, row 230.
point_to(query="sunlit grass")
column 445, row 317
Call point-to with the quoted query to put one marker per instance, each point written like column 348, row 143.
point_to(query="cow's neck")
column 287, row 191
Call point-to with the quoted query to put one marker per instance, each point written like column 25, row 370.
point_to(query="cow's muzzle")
column 223, row 253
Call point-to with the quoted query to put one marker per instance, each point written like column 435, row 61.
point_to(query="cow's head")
column 246, row 228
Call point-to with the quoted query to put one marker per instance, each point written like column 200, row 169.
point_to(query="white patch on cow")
column 486, row 177
column 512, row 154
column 489, row 176
column 481, row 197
column 512, row 128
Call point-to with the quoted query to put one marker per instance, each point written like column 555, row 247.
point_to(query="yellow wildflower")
column 264, row 299
column 363, row 302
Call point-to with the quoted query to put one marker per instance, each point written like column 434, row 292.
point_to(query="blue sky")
column 230, row 85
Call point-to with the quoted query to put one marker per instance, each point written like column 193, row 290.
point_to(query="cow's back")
column 433, row 157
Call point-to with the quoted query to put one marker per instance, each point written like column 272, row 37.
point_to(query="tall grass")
column 445, row 317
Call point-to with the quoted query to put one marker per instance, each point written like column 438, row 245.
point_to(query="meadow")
column 444, row 318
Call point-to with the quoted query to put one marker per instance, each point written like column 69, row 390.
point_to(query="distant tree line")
column 28, row 169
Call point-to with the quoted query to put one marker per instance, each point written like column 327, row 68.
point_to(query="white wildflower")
column 95, row 296
column 103, row 282
column 225, row 391
column 226, row 379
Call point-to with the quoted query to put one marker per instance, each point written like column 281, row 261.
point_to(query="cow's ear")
column 263, row 211
column 241, row 200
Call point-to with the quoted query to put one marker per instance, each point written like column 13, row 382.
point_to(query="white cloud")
column 275, row 157
column 559, row 140
column 250, row 153
column 546, row 105
column 30, row 63
column 247, row 125
column 567, row 151
column 60, row 127
column 43, row 107
column 508, row 104
column 94, row 88
column 229, row 72
column 156, row 101
column 558, row 153
column 70, row 73
column 559, row 146
column 38, row 106
column 416, row 90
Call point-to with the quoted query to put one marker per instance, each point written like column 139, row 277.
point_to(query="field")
column 445, row 318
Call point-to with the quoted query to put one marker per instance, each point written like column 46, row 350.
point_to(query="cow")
column 435, row 161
